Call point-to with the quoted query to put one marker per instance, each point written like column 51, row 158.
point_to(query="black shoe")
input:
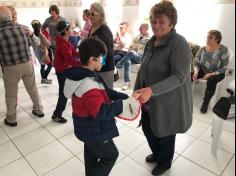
column 38, row 114
column 204, row 108
column 116, row 77
column 59, row 119
column 10, row 124
column 151, row 158
column 159, row 170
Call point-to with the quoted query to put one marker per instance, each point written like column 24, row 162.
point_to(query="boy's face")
column 68, row 31
column 95, row 63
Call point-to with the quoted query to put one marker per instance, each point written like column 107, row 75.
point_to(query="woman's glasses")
column 93, row 13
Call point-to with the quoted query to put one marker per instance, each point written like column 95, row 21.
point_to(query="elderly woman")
column 103, row 32
column 163, row 85
column 211, row 64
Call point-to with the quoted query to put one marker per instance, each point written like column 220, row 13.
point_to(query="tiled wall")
column 61, row 3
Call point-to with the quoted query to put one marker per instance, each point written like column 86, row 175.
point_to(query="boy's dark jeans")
column 99, row 157
column 62, row 100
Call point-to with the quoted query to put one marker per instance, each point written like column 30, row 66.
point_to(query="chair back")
column 231, row 67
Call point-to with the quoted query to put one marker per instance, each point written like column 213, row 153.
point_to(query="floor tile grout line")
column 227, row 164
column 219, row 147
column 20, row 157
column 196, row 138
column 199, row 165
column 58, row 165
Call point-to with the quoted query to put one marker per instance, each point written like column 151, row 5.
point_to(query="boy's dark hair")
column 91, row 47
column 62, row 26
column 54, row 8
column 36, row 26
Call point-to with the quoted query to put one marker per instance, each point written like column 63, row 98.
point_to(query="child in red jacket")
column 65, row 57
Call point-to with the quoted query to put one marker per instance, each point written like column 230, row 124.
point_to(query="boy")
column 65, row 57
column 93, row 110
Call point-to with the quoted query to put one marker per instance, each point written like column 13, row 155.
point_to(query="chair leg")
column 216, row 132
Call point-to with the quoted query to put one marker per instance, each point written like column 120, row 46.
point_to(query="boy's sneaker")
column 46, row 81
column 59, row 119
column 126, row 86
column 38, row 114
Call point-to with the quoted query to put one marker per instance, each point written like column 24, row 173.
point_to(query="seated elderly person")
column 122, row 42
column 134, row 55
column 211, row 64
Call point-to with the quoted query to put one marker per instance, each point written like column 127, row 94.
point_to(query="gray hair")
column 5, row 14
column 100, row 10
column 146, row 25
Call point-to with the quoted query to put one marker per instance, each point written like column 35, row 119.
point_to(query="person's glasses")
column 102, row 59
column 93, row 13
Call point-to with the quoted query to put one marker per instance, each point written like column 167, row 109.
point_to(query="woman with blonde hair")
column 102, row 31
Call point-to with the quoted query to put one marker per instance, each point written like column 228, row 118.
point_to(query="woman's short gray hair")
column 100, row 10
column 167, row 8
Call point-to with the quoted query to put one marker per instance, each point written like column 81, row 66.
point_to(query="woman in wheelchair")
column 210, row 65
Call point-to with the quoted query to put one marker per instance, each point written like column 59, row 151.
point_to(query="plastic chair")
column 220, row 85
column 217, row 125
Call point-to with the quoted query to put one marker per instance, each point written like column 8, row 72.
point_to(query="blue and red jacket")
column 94, row 105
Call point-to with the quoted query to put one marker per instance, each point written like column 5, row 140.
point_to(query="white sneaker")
column 126, row 86
column 46, row 81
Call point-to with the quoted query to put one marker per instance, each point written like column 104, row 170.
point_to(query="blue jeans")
column 130, row 58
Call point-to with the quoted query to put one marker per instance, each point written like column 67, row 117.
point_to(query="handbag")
column 225, row 107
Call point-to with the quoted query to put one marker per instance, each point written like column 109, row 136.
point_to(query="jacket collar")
column 165, row 39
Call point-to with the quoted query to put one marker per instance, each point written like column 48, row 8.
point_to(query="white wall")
column 195, row 17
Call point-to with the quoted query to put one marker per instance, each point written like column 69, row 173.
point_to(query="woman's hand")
column 195, row 75
column 136, row 95
column 208, row 75
column 143, row 94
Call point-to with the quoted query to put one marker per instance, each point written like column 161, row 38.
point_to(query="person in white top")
column 122, row 42
column 134, row 54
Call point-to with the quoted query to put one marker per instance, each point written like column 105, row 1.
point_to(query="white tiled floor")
column 39, row 147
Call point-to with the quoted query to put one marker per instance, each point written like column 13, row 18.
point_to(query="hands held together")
column 205, row 77
column 143, row 95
